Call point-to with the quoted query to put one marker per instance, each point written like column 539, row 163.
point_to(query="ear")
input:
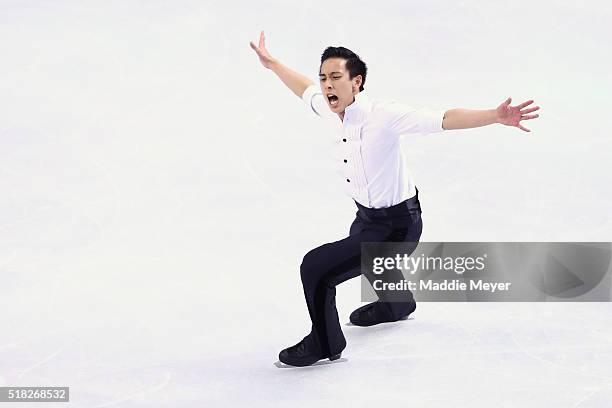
column 357, row 81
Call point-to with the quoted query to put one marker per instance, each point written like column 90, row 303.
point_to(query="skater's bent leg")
column 409, row 237
column 395, row 305
column 321, row 270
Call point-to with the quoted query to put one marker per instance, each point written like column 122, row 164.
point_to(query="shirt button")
column 345, row 161
column 348, row 180
column 344, row 140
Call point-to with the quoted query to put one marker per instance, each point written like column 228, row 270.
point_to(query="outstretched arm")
column 294, row 80
column 505, row 114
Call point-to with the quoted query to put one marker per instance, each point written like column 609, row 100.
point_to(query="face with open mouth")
column 337, row 87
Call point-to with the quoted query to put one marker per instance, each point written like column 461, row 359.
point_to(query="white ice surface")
column 159, row 189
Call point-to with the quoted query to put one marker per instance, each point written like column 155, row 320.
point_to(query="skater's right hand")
column 264, row 56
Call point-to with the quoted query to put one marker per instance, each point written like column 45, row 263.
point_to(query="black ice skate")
column 377, row 312
column 299, row 356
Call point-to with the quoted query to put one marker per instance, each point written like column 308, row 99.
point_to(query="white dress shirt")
column 367, row 146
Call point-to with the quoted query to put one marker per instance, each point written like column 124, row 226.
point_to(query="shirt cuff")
column 432, row 120
column 308, row 94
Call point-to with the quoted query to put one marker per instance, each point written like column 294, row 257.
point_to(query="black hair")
column 354, row 64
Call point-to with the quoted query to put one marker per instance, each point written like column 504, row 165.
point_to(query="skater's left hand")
column 512, row 115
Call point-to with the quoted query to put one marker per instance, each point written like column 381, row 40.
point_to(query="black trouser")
column 330, row 264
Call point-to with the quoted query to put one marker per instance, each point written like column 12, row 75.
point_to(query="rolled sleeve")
column 406, row 119
column 430, row 120
column 313, row 98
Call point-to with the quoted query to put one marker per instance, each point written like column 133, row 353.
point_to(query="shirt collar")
column 360, row 107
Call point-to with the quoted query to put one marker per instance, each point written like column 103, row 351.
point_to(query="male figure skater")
column 375, row 176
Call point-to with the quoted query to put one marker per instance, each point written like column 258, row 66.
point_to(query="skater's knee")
column 307, row 268
column 312, row 269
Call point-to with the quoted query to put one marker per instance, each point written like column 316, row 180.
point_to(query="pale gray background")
column 159, row 189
